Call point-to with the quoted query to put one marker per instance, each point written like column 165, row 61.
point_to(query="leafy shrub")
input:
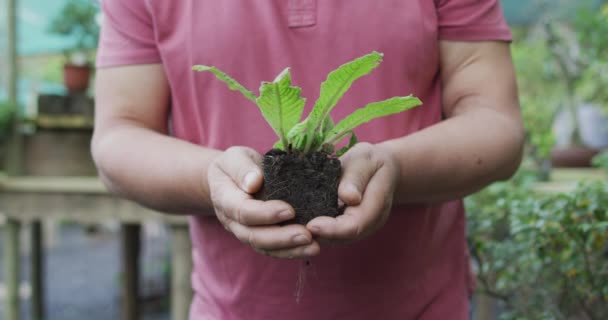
column 601, row 160
column 544, row 255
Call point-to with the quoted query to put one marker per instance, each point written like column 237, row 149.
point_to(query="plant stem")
column 337, row 138
column 309, row 139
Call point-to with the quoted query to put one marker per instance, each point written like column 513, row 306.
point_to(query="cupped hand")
column 370, row 175
column 233, row 178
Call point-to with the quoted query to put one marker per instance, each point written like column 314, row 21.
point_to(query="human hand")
column 370, row 174
column 233, row 178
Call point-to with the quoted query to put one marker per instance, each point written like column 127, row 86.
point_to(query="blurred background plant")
column 579, row 47
column 592, row 34
column 7, row 115
column 544, row 256
column 541, row 94
column 601, row 161
column 77, row 20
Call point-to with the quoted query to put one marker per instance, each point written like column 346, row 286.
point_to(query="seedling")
column 302, row 168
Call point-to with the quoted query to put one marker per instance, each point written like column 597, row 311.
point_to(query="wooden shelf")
column 83, row 185
column 64, row 122
column 566, row 180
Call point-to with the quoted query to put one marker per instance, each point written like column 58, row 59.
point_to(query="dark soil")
column 308, row 182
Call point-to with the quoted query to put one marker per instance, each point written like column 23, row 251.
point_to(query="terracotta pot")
column 572, row 156
column 76, row 77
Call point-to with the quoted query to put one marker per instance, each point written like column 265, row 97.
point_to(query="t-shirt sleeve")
column 127, row 34
column 471, row 20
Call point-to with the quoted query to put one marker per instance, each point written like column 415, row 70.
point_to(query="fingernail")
column 286, row 215
column 249, row 180
column 301, row 239
column 314, row 229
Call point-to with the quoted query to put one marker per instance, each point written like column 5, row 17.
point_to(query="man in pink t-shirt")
column 181, row 142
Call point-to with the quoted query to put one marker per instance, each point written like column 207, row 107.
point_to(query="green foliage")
column 370, row 112
column 282, row 106
column 601, row 160
column 353, row 141
column 544, row 255
column 541, row 95
column 337, row 83
column 232, row 84
column 77, row 19
column 592, row 30
column 579, row 48
column 7, row 115
column 593, row 83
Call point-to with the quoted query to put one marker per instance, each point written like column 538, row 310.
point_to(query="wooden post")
column 37, row 271
column 181, row 268
column 15, row 143
column 130, row 242
column 12, row 266
column 484, row 307
column 12, row 257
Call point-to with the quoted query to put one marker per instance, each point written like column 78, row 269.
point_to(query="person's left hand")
column 370, row 175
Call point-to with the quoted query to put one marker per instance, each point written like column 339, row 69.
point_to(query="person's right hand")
column 233, row 178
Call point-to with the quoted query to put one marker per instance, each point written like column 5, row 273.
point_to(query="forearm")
column 456, row 157
column 153, row 169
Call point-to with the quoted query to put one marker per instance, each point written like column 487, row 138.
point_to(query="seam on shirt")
column 302, row 13
column 475, row 33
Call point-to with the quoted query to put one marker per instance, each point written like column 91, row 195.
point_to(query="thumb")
column 252, row 182
column 354, row 181
column 242, row 165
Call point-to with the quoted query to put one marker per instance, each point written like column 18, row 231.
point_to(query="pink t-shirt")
column 416, row 266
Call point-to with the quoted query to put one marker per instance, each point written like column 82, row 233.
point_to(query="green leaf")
column 278, row 145
column 370, row 112
column 337, row 83
column 296, row 136
column 232, row 84
column 353, row 141
column 281, row 104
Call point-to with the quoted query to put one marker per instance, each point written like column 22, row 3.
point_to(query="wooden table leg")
column 130, row 242
column 37, row 271
column 181, row 269
column 484, row 307
column 12, row 259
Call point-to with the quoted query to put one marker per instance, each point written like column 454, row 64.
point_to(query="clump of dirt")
column 307, row 181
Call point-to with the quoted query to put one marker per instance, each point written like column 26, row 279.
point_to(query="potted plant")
column 77, row 19
column 579, row 49
column 303, row 168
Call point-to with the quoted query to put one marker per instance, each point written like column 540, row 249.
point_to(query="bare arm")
column 135, row 156
column 479, row 142
column 481, row 139
column 138, row 160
